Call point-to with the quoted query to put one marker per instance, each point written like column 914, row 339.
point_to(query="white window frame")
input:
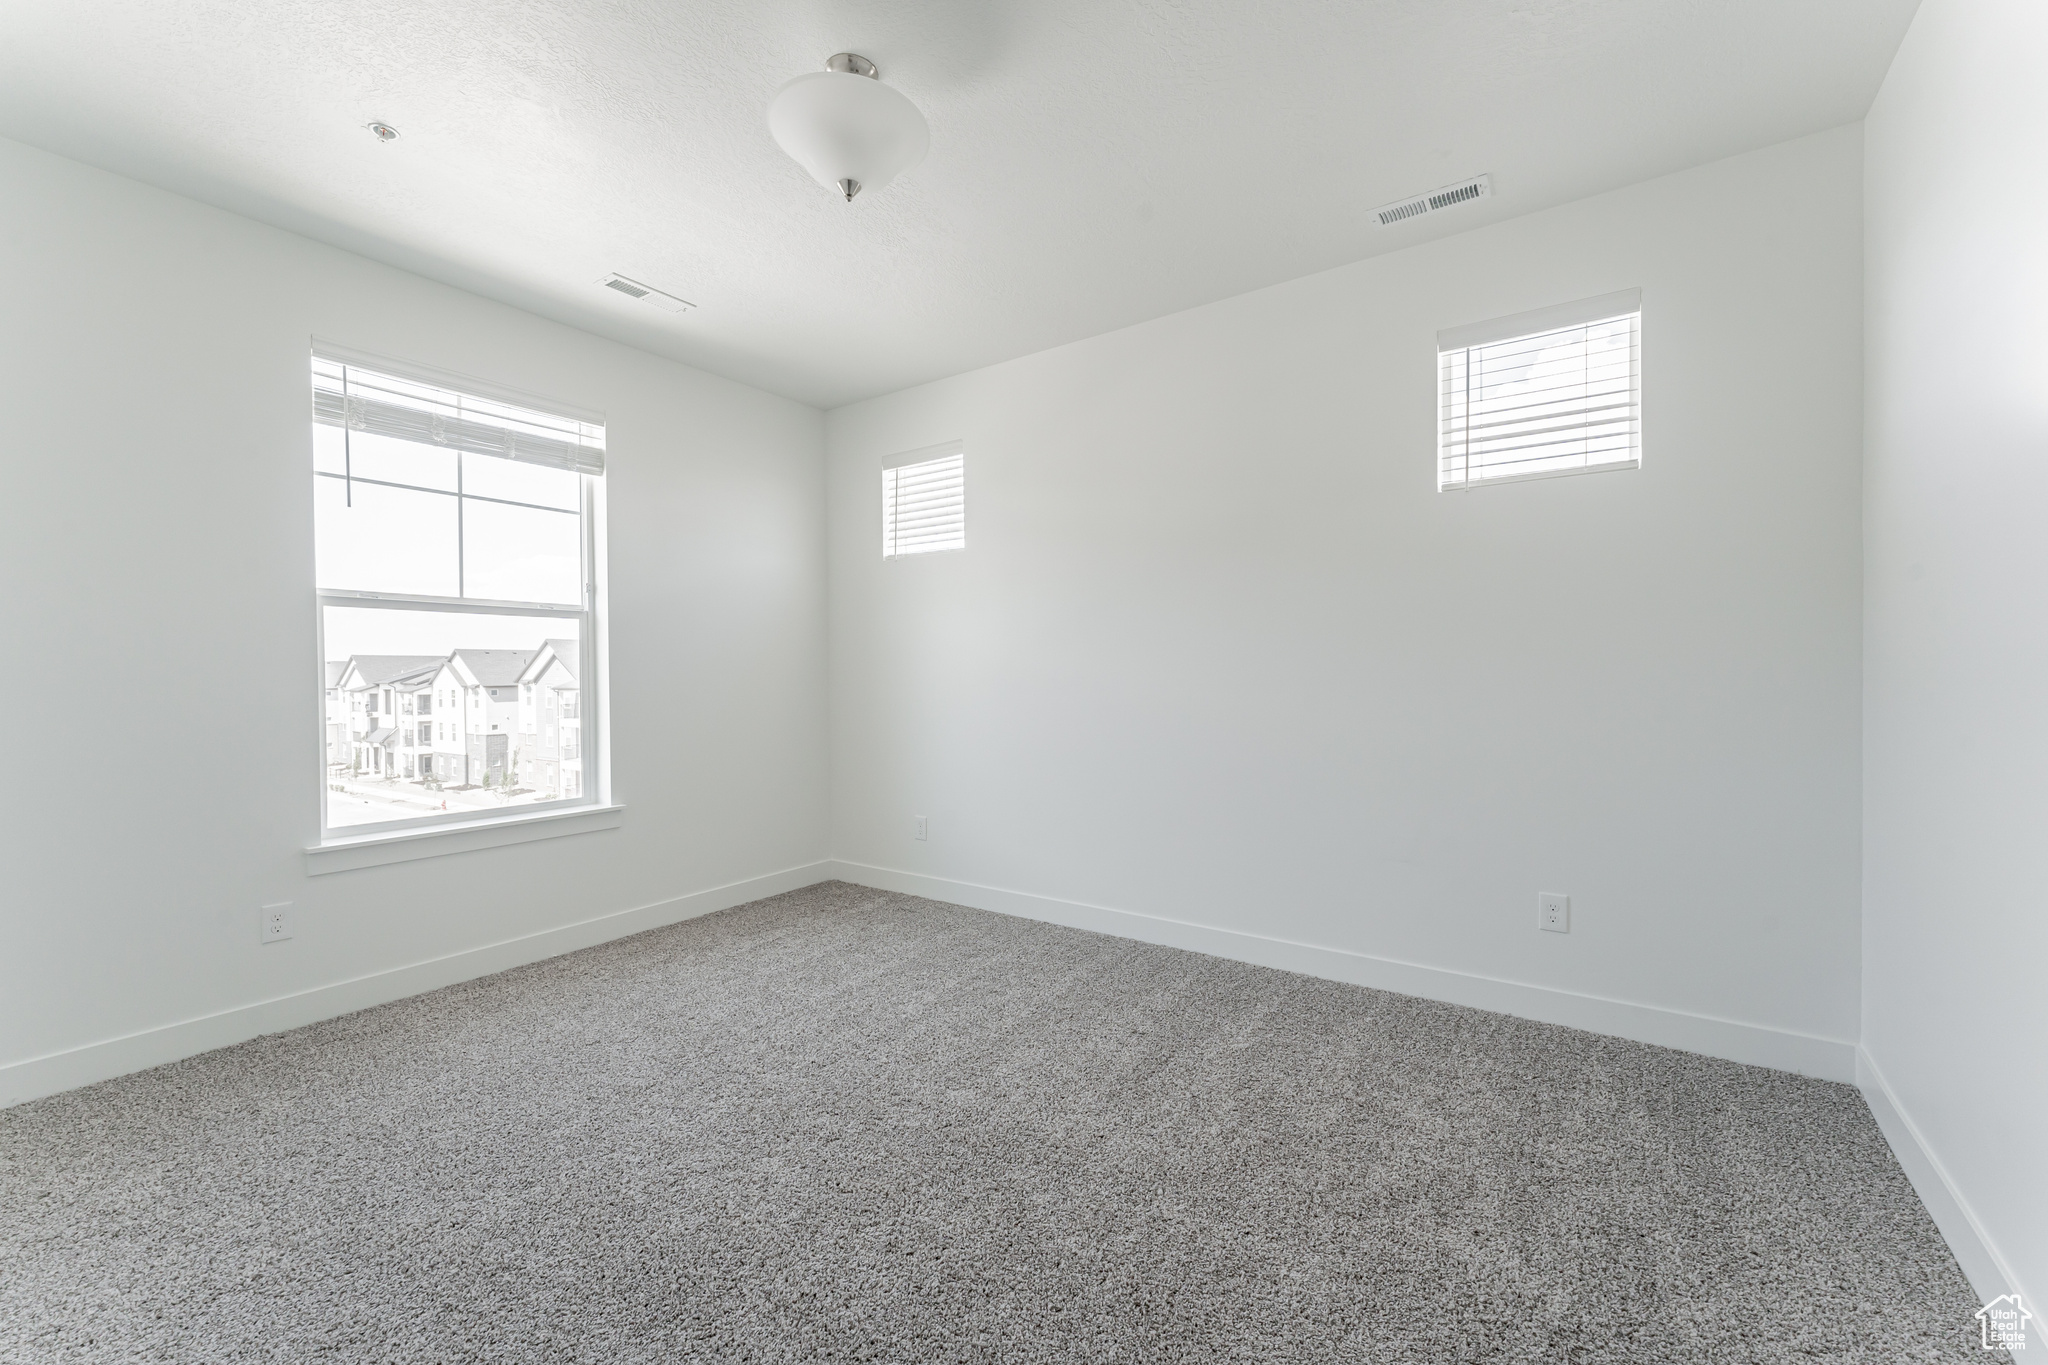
column 356, row 843
column 1559, row 317
column 907, row 459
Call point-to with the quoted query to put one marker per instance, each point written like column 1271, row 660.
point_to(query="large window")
column 924, row 502
column 1557, row 391
column 456, row 567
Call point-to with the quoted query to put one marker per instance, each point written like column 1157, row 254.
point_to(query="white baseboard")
column 1831, row 1059
column 1988, row 1271
column 67, row 1070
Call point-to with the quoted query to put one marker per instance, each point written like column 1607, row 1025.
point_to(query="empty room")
column 1064, row 681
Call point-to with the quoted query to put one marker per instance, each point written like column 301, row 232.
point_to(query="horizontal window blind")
column 924, row 506
column 1562, row 397
column 359, row 399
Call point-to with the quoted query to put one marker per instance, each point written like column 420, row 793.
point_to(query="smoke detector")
column 647, row 293
column 1436, row 201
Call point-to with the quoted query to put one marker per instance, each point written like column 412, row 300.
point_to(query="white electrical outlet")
column 277, row 922
column 1554, row 912
column 921, row 827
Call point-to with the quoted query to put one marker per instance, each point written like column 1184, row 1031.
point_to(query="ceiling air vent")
column 646, row 293
column 1464, row 192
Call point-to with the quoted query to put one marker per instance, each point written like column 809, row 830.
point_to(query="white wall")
column 1219, row 652
column 1956, row 626
column 1219, row 666
column 157, row 633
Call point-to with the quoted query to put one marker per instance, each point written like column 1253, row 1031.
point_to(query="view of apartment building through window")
column 457, row 587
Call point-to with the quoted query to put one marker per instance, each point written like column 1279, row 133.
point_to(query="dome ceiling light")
column 845, row 127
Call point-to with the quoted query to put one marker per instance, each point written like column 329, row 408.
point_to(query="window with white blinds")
column 356, row 398
column 1556, row 391
column 924, row 502
column 457, row 571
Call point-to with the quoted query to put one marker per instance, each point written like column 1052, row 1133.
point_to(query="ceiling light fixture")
column 845, row 127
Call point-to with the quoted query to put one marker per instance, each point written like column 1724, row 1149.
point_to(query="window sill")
column 1466, row 486
column 375, row 850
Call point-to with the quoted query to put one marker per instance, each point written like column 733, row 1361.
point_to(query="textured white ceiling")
column 1094, row 162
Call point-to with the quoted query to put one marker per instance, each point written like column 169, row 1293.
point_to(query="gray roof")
column 379, row 669
column 335, row 668
column 495, row 667
column 380, row 736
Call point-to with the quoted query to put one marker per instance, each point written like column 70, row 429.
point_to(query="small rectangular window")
column 924, row 501
column 1556, row 391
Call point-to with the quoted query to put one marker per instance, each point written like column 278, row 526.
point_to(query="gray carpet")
column 847, row 1125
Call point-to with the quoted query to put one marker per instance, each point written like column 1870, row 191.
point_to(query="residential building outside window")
column 553, row 758
column 455, row 549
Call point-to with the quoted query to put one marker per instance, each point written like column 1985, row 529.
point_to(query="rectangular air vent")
column 646, row 293
column 1464, row 192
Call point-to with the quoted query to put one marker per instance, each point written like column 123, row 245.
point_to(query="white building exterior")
column 380, row 694
column 337, row 714
column 472, row 732
column 412, row 749
column 551, row 723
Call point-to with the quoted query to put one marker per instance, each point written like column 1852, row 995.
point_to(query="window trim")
column 1535, row 322
column 595, row 788
column 923, row 455
column 495, row 831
